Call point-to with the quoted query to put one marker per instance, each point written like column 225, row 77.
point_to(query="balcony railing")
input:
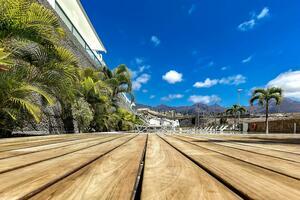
column 75, row 32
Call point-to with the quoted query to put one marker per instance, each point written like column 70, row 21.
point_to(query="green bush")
column 83, row 114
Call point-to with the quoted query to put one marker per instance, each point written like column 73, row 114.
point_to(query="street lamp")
column 239, row 95
column 239, row 104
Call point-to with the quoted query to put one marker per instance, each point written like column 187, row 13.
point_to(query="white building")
column 156, row 119
column 75, row 18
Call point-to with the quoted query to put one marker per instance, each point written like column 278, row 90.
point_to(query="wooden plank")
column 295, row 149
column 36, row 143
column 29, row 159
column 27, row 181
column 21, row 140
column 28, row 150
column 170, row 175
column 30, row 138
column 112, row 176
column 25, row 142
column 251, row 181
column 267, row 152
column 285, row 167
column 279, row 143
column 253, row 136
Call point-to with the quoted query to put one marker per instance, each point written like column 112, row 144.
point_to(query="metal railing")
column 76, row 33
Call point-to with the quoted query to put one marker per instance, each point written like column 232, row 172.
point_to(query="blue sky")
column 183, row 51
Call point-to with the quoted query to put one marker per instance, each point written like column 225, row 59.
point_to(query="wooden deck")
column 153, row 166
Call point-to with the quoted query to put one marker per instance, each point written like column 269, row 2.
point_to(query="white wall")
column 76, row 13
column 154, row 122
column 52, row 3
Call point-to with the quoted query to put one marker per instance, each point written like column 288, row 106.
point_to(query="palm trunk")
column 267, row 117
column 234, row 121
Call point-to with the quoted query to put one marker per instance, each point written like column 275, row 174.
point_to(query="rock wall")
column 51, row 122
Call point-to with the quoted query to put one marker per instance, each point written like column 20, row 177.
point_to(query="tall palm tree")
column 264, row 97
column 236, row 110
column 120, row 81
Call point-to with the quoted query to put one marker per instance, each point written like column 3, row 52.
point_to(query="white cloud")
column 224, row 68
column 139, row 81
column 139, row 60
column 207, row 83
column 152, row 96
column 263, row 13
column 143, row 68
column 205, row 99
column 233, row 80
column 133, row 73
column 246, row 60
column 155, row 40
column 192, row 9
column 171, row 97
column 289, row 82
column 230, row 80
column 247, row 25
column 211, row 63
column 144, row 91
column 172, row 77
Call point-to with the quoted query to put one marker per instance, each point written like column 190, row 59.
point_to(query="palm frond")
column 5, row 62
column 275, row 90
column 254, row 98
column 259, row 91
column 30, row 107
column 277, row 97
column 39, row 91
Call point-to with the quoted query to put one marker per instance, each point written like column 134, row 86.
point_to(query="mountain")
column 203, row 108
column 287, row 106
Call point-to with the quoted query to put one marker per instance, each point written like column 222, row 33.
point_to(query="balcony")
column 94, row 56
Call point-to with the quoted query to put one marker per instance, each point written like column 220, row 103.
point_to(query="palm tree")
column 29, row 20
column 264, row 97
column 17, row 98
column 120, row 82
column 236, row 110
column 34, row 67
column 31, row 34
column 98, row 94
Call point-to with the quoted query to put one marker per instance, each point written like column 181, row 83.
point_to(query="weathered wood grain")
column 267, row 152
column 28, row 159
column 28, row 150
column 27, row 181
column 112, row 176
column 170, row 175
column 35, row 143
column 286, row 143
column 251, row 181
column 285, row 167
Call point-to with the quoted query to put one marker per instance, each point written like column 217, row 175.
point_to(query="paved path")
column 153, row 166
